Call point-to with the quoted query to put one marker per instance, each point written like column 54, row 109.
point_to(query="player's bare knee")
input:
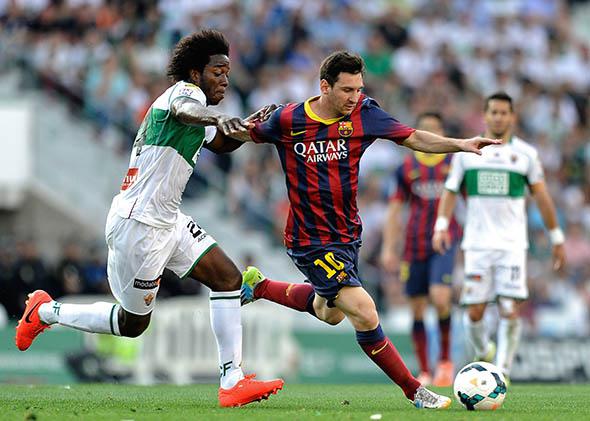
column 366, row 319
column 508, row 308
column 442, row 308
column 230, row 280
column 476, row 312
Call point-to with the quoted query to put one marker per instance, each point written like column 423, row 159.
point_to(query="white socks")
column 509, row 331
column 477, row 334
column 226, row 322
column 99, row 317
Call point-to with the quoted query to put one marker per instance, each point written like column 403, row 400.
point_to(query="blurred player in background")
column 146, row 232
column 320, row 143
column 427, row 274
column 495, row 239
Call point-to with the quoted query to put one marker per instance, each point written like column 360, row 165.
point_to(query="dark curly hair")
column 338, row 62
column 193, row 52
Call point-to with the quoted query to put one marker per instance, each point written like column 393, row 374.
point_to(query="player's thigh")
column 328, row 268
column 198, row 256
column 137, row 256
column 440, row 277
column 414, row 276
column 510, row 274
column 478, row 283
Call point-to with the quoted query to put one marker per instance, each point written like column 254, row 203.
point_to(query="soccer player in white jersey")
column 495, row 234
column 146, row 232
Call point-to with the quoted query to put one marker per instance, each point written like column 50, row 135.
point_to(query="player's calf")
column 298, row 296
column 41, row 312
column 133, row 325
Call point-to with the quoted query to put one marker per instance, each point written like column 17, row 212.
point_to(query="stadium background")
column 76, row 77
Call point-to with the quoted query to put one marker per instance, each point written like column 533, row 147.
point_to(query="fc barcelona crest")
column 345, row 128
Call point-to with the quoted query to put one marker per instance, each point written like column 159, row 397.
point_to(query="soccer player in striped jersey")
column 495, row 238
column 146, row 232
column 426, row 274
column 320, row 143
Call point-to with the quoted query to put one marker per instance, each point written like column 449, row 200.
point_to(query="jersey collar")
column 429, row 159
column 314, row 116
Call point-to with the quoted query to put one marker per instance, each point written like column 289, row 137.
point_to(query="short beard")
column 499, row 135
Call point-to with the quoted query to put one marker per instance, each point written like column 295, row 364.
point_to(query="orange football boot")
column 30, row 325
column 444, row 374
column 248, row 390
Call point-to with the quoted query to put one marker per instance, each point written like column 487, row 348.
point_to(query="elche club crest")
column 345, row 128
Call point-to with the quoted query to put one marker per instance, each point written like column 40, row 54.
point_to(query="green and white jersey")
column 162, row 160
column 495, row 184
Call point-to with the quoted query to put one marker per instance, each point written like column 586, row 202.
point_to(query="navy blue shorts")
column 437, row 269
column 328, row 268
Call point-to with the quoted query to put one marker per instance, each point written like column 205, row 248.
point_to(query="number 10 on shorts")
column 329, row 264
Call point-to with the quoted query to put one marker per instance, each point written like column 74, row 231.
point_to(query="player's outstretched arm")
column 229, row 142
column 223, row 144
column 262, row 114
column 425, row 141
column 193, row 113
column 441, row 239
column 547, row 209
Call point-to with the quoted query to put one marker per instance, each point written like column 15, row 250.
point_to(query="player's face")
column 215, row 78
column 498, row 117
column 431, row 124
column 345, row 93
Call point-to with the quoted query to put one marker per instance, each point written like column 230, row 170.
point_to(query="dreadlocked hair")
column 194, row 51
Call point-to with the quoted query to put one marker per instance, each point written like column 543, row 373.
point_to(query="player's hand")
column 475, row 144
column 262, row 114
column 558, row 257
column 233, row 126
column 441, row 241
column 389, row 260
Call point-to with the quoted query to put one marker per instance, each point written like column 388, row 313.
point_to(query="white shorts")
column 138, row 254
column 493, row 273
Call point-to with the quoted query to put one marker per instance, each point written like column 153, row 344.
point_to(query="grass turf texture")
column 295, row 402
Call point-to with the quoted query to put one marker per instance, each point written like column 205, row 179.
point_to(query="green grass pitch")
column 295, row 402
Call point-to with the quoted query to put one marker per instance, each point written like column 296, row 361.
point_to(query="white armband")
column 441, row 224
column 556, row 236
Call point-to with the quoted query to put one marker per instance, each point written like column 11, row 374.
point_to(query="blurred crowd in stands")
column 80, row 269
column 108, row 58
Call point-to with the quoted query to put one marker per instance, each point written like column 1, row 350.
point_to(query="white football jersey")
column 495, row 184
column 164, row 154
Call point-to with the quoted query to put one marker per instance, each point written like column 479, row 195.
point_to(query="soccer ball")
column 480, row 386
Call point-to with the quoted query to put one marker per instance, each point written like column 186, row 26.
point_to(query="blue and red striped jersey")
column 420, row 182
column 320, row 159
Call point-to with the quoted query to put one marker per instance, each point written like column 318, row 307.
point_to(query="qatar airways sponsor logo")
column 429, row 190
column 322, row 150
